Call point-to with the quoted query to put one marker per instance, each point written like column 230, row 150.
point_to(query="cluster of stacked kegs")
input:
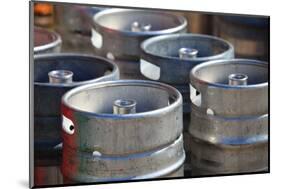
column 153, row 100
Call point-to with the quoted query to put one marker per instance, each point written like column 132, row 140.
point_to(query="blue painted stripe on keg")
column 244, row 140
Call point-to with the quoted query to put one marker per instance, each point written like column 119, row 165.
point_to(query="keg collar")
column 182, row 23
column 243, row 62
column 177, row 102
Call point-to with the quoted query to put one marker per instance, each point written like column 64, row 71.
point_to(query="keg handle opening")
column 67, row 125
column 187, row 53
column 237, row 79
column 195, row 96
column 171, row 100
column 124, row 106
column 107, row 72
column 137, row 27
column 60, row 76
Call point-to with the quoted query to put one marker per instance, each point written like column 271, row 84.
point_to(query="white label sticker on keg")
column 96, row 39
column 67, row 125
column 149, row 70
column 195, row 96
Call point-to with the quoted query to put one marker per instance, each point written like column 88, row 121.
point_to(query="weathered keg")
column 54, row 74
column 229, row 118
column 249, row 35
column 122, row 130
column 117, row 34
column 169, row 59
column 46, row 41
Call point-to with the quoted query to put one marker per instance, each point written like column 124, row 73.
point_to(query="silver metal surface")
column 120, row 31
column 46, row 41
column 237, row 79
column 47, row 96
column 187, row 53
column 60, row 76
column 137, row 27
column 122, row 106
column 229, row 123
column 108, row 146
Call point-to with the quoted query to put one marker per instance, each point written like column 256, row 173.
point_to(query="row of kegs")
column 184, row 103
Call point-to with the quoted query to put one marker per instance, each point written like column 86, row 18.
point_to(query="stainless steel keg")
column 229, row 118
column 169, row 59
column 122, row 130
column 46, row 41
column 54, row 74
column 117, row 34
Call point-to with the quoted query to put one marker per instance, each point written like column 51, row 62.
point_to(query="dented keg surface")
column 249, row 35
column 229, row 118
column 46, row 41
column 169, row 59
column 118, row 33
column 54, row 74
column 122, row 130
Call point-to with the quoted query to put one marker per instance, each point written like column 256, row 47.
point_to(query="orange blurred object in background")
column 44, row 15
column 43, row 9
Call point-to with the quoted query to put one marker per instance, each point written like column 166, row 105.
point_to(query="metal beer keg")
column 54, row 74
column 122, row 130
column 118, row 33
column 46, row 41
column 229, row 118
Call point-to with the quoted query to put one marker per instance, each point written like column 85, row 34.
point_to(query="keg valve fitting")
column 60, row 76
column 137, row 27
column 187, row 53
column 237, row 79
column 122, row 106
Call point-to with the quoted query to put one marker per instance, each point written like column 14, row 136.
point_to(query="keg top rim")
column 181, row 19
column 115, row 69
column 225, row 62
column 56, row 39
column 168, row 108
column 151, row 40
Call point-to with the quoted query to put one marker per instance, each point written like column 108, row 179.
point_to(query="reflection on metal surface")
column 187, row 53
column 60, row 76
column 137, row 27
column 237, row 79
column 122, row 106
